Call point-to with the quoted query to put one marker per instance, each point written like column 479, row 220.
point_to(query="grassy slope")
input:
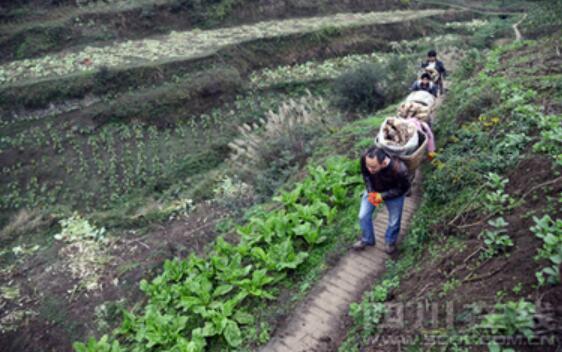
column 492, row 121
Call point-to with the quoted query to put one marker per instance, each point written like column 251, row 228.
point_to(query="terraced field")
column 135, row 136
column 185, row 45
column 64, row 143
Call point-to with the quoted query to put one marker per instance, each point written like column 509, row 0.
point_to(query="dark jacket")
column 439, row 66
column 431, row 87
column 391, row 182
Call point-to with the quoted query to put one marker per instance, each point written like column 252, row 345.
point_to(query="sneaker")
column 360, row 245
column 389, row 248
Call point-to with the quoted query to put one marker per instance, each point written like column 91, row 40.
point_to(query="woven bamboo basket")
column 414, row 160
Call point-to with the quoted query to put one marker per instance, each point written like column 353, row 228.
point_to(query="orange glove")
column 431, row 155
column 375, row 198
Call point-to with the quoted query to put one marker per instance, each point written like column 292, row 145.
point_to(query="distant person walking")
column 433, row 63
column 387, row 181
column 424, row 83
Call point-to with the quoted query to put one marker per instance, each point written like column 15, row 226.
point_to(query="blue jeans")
column 394, row 207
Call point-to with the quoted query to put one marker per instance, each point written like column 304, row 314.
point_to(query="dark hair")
column 376, row 152
column 426, row 75
column 431, row 53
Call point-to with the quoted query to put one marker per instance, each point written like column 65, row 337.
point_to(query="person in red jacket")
column 387, row 181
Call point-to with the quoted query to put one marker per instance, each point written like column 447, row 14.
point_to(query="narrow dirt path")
column 316, row 324
column 518, row 35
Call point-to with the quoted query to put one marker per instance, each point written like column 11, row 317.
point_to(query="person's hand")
column 431, row 155
column 375, row 198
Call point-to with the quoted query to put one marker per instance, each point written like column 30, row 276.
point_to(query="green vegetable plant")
column 102, row 345
column 550, row 137
column 497, row 240
column 550, row 232
column 511, row 318
column 496, row 201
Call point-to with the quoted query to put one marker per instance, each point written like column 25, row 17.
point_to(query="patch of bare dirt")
column 62, row 316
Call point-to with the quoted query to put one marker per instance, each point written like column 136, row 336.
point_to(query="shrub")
column 486, row 35
column 468, row 65
column 370, row 86
column 399, row 76
column 361, row 89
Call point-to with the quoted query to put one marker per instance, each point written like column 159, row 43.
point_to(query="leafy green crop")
column 197, row 299
column 551, row 137
column 102, row 345
column 550, row 231
column 511, row 318
column 496, row 201
column 496, row 240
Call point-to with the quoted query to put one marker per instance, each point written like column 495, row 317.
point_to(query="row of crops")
column 95, row 169
column 185, row 45
column 332, row 68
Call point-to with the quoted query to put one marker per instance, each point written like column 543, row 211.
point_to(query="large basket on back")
column 392, row 146
column 433, row 73
column 418, row 104
column 421, row 97
column 412, row 160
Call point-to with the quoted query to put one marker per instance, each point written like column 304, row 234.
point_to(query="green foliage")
column 511, row 318
column 550, row 141
column 484, row 36
column 469, row 64
column 496, row 201
column 550, row 232
column 449, row 286
column 361, row 89
column 367, row 316
column 543, row 17
column 197, row 299
column 101, row 345
column 496, row 240
column 478, row 143
column 370, row 311
column 370, row 86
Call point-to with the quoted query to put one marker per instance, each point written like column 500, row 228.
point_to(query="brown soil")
column 64, row 318
column 480, row 283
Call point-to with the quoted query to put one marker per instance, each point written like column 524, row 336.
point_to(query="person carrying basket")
column 432, row 63
column 387, row 180
column 424, row 83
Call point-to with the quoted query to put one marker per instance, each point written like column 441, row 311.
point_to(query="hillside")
column 183, row 176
